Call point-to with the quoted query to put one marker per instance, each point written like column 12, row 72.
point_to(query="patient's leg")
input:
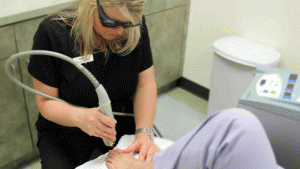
column 233, row 138
column 119, row 160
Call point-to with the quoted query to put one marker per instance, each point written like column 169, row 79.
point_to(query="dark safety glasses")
column 107, row 22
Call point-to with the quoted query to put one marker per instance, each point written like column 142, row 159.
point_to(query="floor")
column 190, row 100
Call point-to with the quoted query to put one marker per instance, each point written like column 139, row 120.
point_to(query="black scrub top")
column 118, row 75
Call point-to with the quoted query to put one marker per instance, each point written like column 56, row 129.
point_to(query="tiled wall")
column 24, row 35
column 15, row 138
column 166, row 37
column 166, row 20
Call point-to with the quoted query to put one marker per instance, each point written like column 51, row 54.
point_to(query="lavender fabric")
column 232, row 138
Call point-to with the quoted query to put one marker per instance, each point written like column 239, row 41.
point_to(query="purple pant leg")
column 233, row 138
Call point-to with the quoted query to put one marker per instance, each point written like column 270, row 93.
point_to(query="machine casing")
column 273, row 97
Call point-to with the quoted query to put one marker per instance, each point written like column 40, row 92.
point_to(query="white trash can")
column 234, row 64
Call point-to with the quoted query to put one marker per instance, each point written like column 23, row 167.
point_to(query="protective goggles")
column 106, row 22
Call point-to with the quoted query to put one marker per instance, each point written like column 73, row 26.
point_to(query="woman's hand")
column 144, row 145
column 94, row 123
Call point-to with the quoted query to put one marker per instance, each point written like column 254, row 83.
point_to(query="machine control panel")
column 279, row 86
column 273, row 97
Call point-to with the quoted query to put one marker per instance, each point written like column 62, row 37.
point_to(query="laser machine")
column 274, row 97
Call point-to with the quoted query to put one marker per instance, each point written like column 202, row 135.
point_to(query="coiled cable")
column 104, row 101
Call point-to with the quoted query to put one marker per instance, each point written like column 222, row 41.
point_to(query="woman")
column 110, row 39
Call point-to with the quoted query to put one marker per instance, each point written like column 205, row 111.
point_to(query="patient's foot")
column 119, row 160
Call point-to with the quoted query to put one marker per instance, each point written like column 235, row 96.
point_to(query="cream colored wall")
column 20, row 10
column 22, row 6
column 273, row 23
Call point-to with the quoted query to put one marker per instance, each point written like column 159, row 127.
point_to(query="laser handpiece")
column 104, row 101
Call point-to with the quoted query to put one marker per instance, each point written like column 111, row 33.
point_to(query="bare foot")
column 119, row 160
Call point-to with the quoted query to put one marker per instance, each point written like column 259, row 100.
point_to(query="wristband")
column 144, row 130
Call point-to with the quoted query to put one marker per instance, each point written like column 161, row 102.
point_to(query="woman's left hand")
column 145, row 146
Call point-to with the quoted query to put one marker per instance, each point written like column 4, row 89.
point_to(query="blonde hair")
column 80, row 16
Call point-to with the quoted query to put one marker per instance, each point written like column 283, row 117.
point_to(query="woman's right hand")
column 90, row 121
column 95, row 123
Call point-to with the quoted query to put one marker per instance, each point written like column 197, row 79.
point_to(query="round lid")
column 246, row 52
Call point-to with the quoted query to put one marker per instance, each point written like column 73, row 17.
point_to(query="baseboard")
column 193, row 88
column 187, row 85
column 167, row 87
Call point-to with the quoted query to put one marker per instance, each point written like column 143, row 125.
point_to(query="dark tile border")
column 193, row 88
column 187, row 85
